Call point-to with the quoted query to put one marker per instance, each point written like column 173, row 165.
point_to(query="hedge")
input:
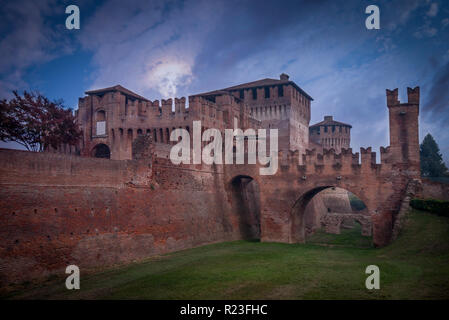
column 438, row 207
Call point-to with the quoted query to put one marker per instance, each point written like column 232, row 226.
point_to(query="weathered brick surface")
column 435, row 190
column 58, row 209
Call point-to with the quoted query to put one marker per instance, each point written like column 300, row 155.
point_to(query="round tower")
column 330, row 134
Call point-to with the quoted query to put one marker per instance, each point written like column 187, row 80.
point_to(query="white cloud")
column 167, row 75
column 433, row 10
column 148, row 46
column 425, row 31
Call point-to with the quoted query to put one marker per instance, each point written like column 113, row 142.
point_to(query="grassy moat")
column 416, row 266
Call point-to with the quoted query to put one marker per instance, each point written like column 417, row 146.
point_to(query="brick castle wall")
column 59, row 210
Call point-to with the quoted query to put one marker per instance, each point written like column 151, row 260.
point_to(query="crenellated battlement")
column 392, row 97
column 329, row 161
column 412, row 97
column 198, row 107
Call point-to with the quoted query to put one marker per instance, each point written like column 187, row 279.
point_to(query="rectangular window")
column 280, row 91
column 101, row 128
column 267, row 92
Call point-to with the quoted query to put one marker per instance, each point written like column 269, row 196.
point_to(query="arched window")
column 101, row 151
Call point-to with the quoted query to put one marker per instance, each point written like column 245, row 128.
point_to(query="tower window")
column 280, row 91
column 254, row 94
column 267, row 92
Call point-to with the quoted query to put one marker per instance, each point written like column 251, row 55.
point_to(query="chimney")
column 328, row 118
column 284, row 77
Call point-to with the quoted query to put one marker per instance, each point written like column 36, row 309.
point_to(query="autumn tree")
column 432, row 164
column 37, row 123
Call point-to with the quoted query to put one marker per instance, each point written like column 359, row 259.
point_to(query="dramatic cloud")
column 437, row 104
column 149, row 46
column 173, row 48
column 168, row 75
column 27, row 39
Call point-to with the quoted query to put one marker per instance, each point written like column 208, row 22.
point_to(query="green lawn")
column 416, row 266
column 347, row 238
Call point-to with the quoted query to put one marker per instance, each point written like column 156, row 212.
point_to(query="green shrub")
column 434, row 206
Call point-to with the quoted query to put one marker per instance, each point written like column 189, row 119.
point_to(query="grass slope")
column 347, row 238
column 416, row 266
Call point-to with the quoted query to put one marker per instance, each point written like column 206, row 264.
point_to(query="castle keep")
column 112, row 118
column 59, row 209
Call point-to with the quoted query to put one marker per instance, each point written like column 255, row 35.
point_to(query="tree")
column 37, row 123
column 432, row 164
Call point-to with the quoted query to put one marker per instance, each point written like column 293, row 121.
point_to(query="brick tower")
column 330, row 134
column 404, row 132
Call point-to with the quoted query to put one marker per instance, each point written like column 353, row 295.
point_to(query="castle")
column 59, row 209
column 111, row 118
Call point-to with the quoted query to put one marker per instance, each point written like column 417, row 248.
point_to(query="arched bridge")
column 285, row 195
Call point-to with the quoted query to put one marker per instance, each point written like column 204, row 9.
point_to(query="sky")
column 162, row 49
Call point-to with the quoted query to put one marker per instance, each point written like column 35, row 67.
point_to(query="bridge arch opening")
column 101, row 151
column 330, row 210
column 245, row 199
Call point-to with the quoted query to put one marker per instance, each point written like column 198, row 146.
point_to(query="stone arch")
column 101, row 150
column 100, row 115
column 297, row 221
column 245, row 201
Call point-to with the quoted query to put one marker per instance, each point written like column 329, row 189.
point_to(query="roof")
column 117, row 88
column 256, row 84
column 329, row 121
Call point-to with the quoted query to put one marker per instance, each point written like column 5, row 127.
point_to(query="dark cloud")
column 438, row 98
column 171, row 48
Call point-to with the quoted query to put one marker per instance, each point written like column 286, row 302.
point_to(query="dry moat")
column 413, row 267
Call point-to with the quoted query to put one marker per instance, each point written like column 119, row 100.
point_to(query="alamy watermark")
column 73, row 20
column 212, row 153
column 373, row 281
column 73, row 280
column 373, row 20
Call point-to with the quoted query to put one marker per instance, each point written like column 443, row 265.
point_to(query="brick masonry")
column 59, row 209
